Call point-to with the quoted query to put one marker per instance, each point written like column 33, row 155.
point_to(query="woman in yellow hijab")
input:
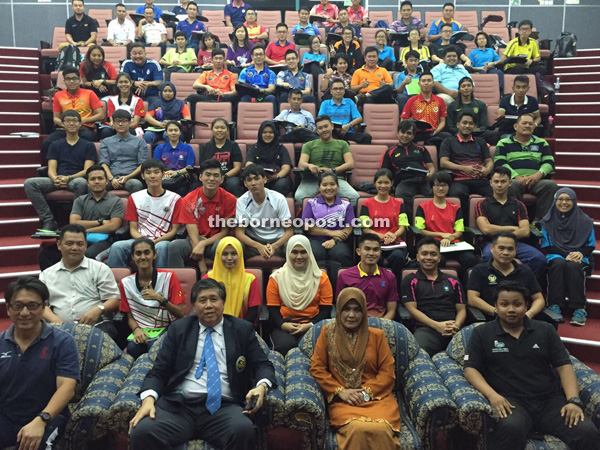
column 243, row 292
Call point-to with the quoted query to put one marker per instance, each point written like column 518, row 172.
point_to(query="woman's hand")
column 150, row 294
column 388, row 238
column 445, row 242
column 575, row 257
column 352, row 397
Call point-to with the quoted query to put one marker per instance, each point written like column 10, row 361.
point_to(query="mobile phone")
column 250, row 404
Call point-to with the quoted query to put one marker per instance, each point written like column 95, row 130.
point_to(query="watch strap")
column 575, row 401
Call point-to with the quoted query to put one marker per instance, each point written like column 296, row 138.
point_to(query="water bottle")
column 158, row 114
column 557, row 84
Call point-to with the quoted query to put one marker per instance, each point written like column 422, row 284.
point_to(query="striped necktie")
column 213, row 379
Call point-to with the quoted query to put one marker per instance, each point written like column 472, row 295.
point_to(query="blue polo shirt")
column 308, row 29
column 157, row 11
column 343, row 113
column 436, row 28
column 449, row 76
column 175, row 158
column 187, row 27
column 387, row 52
column 299, row 81
column 237, row 15
column 28, row 379
column 260, row 79
column 150, row 71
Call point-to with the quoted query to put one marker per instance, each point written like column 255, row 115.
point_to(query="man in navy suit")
column 201, row 378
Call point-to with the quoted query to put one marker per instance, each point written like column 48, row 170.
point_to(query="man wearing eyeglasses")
column 39, row 368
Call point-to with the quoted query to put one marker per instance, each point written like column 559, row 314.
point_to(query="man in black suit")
column 201, row 378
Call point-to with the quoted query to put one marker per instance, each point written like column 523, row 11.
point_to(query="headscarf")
column 347, row 349
column 235, row 279
column 570, row 231
column 298, row 289
column 171, row 109
column 267, row 153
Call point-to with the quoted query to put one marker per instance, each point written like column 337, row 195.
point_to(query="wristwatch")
column 366, row 397
column 164, row 301
column 100, row 222
column 110, row 179
column 102, row 307
column 576, row 401
column 46, row 417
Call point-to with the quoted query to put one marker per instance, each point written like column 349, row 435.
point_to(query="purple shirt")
column 335, row 217
column 380, row 288
column 241, row 56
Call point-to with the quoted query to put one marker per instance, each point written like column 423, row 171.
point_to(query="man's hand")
column 352, row 397
column 115, row 183
column 61, row 181
column 501, row 406
column 532, row 179
column 91, row 316
column 329, row 244
column 170, row 174
column 30, row 436
column 364, row 84
column 446, row 328
column 140, row 336
column 313, row 168
column 345, row 129
column 453, row 94
column 529, row 62
column 470, row 171
column 198, row 250
column 521, row 179
column 260, row 391
column 211, row 90
column 265, row 250
column 147, row 409
column 573, row 414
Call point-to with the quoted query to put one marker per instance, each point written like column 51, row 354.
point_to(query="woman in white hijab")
column 298, row 295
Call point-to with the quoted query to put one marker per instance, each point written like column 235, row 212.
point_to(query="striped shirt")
column 334, row 217
column 524, row 160
column 154, row 215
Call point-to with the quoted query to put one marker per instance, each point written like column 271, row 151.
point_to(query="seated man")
column 121, row 32
column 526, row 47
column 343, row 22
column 47, row 382
column 304, row 26
column 268, row 206
column 503, row 213
column 80, row 29
column 433, row 299
column 358, row 15
column 447, row 74
column 81, row 289
column 145, row 73
column 327, row 11
column 294, row 78
column 235, row 12
column 517, row 104
column 204, row 212
column 304, row 129
column 154, row 34
column 122, row 155
column 530, row 161
column 437, row 50
column 323, row 155
column 150, row 4
column 469, row 159
column 407, row 21
column 407, row 83
column 191, row 24
column 261, row 77
column 486, row 277
column 151, row 214
column 180, row 58
column 83, row 101
column 372, row 83
column 193, row 391
column 514, row 362
column 343, row 113
column 256, row 33
column 276, row 51
column 447, row 18
column 216, row 85
column 378, row 284
column 68, row 159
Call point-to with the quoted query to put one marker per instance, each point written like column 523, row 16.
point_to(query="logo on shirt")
column 5, row 355
column 476, row 110
column 499, row 347
column 536, row 346
column 44, row 353
column 436, row 109
column 383, row 284
column 492, row 279
column 166, row 209
column 534, row 148
column 240, row 364
column 148, row 72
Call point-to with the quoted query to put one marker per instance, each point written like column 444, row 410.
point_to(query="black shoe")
column 360, row 100
column 50, row 225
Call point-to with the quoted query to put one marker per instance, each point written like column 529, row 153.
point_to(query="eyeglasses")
column 121, row 121
column 70, row 121
column 71, row 79
column 250, row 14
column 31, row 306
column 440, row 186
column 338, row 89
column 564, row 200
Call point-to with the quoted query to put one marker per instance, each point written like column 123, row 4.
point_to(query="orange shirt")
column 323, row 297
column 85, row 101
column 225, row 81
column 374, row 77
column 418, row 108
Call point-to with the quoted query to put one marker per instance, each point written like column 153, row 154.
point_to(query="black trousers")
column 384, row 94
column 407, row 189
column 340, row 252
column 299, row 135
column 283, row 341
column 567, row 279
column 541, row 417
column 358, row 137
column 463, row 188
column 227, row 428
column 431, row 341
column 466, row 259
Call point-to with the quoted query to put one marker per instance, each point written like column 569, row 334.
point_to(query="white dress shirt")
column 121, row 33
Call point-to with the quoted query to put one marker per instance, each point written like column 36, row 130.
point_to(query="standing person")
column 239, row 53
column 523, row 46
column 153, row 33
column 520, row 382
column 39, row 372
column 235, row 13
column 121, row 32
column 171, row 414
column 299, row 294
column 276, row 51
column 569, row 240
column 146, row 74
column 372, row 83
column 353, row 365
column 179, row 59
column 80, row 29
column 96, row 73
column 434, row 300
column 127, row 101
column 176, row 156
column 168, row 107
column 406, row 83
column 485, row 59
column 327, row 11
column 151, row 297
column 261, row 77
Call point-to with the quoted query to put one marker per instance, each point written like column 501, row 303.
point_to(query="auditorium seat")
column 268, row 19
column 368, row 35
column 367, row 160
column 250, row 116
column 487, row 88
column 153, row 53
column 183, row 83
column 222, row 32
column 101, row 15
column 58, row 37
column 375, row 16
column 115, row 55
column 382, row 123
column 187, row 276
column 206, row 112
column 215, row 17
column 509, row 80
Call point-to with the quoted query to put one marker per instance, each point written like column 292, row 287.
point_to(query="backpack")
column 381, row 24
column 496, row 42
column 566, row 46
column 69, row 56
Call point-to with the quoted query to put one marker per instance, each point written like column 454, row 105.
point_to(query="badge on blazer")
column 240, row 364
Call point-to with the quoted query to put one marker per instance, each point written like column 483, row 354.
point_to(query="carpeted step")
column 9, row 171
column 10, row 273
column 12, row 189
column 21, row 52
column 581, row 131
column 18, row 68
column 7, row 129
column 32, row 62
column 577, row 145
column 593, row 282
column 592, row 209
column 577, row 107
column 576, row 119
column 18, row 250
column 582, row 88
column 577, row 158
column 589, row 96
column 20, row 143
column 588, row 52
column 19, row 95
column 19, row 156
column 577, row 61
column 17, row 208
column 587, row 191
column 20, row 85
column 11, row 117
column 583, row 174
column 16, row 226
column 580, row 68
column 578, row 77
column 16, row 76
column 19, row 106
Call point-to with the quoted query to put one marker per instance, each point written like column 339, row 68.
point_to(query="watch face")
column 366, row 396
column 45, row 417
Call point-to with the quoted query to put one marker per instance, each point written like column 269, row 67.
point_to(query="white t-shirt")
column 153, row 32
column 154, row 215
column 274, row 207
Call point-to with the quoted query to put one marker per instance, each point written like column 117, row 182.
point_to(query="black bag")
column 69, row 56
column 566, row 46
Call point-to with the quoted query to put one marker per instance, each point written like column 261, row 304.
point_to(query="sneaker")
column 50, row 225
column 556, row 310
column 579, row 317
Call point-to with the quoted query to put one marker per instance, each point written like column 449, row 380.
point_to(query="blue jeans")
column 120, row 253
column 525, row 253
column 136, row 350
column 152, row 136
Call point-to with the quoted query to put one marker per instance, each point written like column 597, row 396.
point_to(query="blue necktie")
column 213, row 379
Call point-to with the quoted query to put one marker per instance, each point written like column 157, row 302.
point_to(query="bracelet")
column 133, row 331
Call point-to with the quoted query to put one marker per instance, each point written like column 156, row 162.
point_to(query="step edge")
column 584, row 342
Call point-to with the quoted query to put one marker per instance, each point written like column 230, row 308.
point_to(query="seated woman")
column 314, row 55
column 207, row 45
column 328, row 221
column 386, row 53
column 96, row 73
column 152, row 298
column 484, row 59
column 168, row 107
column 569, row 240
column 243, row 291
column 350, row 47
column 273, row 157
column 176, row 156
column 444, row 221
column 239, row 53
column 298, row 295
column 386, row 217
column 354, row 367
column 341, row 62
column 127, row 101
column 414, row 40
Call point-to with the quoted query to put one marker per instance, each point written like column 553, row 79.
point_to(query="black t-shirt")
column 397, row 158
column 226, row 155
column 275, row 162
column 80, row 30
column 521, row 368
column 71, row 158
column 438, row 50
column 485, row 278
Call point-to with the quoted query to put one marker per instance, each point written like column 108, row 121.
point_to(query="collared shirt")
column 136, row 108
column 85, row 101
column 476, row 107
column 274, row 206
column 310, row 56
column 153, row 214
column 150, row 71
column 399, row 26
column 153, row 32
column 73, row 292
column 380, row 288
column 449, row 76
column 237, row 14
column 187, row 56
column 387, row 52
column 439, row 49
column 308, row 29
column 326, row 154
column 260, row 79
column 224, row 81
column 374, row 77
column 121, row 32
column 522, row 368
column 357, row 14
column 509, row 107
column 398, row 157
column 157, row 11
column 175, row 158
column 530, row 50
column 508, row 214
column 342, row 113
column 187, row 27
column 524, row 160
column 80, row 30
column 479, row 57
column 276, row 52
column 301, row 117
column 436, row 28
column 28, row 379
column 197, row 209
column 108, row 207
column 338, row 28
column 331, row 11
column 254, row 31
column 123, row 155
column 334, row 217
column 465, row 153
column 423, row 51
column 300, row 80
column 420, row 109
column 411, row 88
column 71, row 159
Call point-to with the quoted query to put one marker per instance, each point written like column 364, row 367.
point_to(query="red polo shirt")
column 198, row 209
column 276, row 52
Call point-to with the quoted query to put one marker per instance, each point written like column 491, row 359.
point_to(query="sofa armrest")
column 475, row 314
column 429, row 402
column 121, row 234
column 589, row 387
column 275, row 399
column 473, row 408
